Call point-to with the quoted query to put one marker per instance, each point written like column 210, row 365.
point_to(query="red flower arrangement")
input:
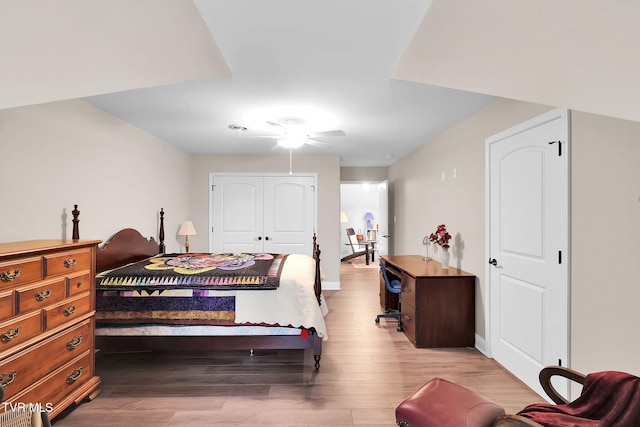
column 441, row 237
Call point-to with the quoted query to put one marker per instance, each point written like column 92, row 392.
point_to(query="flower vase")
column 444, row 258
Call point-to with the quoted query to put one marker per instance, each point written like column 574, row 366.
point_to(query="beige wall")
column 605, row 203
column 327, row 169
column 69, row 152
column 605, row 173
column 376, row 174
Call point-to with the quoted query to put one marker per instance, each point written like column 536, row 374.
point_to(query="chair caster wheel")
column 399, row 328
column 377, row 321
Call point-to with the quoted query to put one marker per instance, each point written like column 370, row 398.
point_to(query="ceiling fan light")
column 291, row 142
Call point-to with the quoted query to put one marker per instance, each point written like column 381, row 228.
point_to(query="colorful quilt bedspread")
column 201, row 271
column 171, row 306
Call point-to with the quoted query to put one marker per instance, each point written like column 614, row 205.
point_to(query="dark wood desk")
column 437, row 306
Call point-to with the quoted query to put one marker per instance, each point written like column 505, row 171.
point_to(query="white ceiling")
column 390, row 74
column 302, row 58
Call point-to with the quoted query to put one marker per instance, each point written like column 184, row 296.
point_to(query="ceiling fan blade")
column 279, row 126
column 336, row 132
column 319, row 143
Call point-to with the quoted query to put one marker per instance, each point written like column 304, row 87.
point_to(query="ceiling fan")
column 294, row 135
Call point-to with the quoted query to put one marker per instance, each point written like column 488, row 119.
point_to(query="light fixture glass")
column 291, row 142
column 344, row 217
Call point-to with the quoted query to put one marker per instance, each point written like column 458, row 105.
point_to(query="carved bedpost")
column 317, row 286
column 75, row 235
column 161, row 247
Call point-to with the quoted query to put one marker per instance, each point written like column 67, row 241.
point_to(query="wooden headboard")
column 126, row 246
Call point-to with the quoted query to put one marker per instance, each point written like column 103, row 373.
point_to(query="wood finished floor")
column 366, row 371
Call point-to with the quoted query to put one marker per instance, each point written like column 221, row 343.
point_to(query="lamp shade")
column 187, row 229
column 344, row 217
column 368, row 216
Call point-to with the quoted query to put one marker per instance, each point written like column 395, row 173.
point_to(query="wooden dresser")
column 47, row 305
column 437, row 306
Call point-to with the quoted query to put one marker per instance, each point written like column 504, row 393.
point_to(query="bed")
column 171, row 308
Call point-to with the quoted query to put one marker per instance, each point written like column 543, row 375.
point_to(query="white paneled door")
column 274, row 214
column 528, row 246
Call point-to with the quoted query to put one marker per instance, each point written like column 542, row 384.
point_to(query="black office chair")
column 395, row 287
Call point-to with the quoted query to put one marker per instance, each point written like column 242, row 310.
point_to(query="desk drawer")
column 20, row 329
column 67, row 262
column 408, row 289
column 20, row 271
column 408, row 320
column 25, row 368
column 40, row 295
column 67, row 310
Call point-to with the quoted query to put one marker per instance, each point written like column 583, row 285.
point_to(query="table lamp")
column 368, row 217
column 186, row 229
column 344, row 217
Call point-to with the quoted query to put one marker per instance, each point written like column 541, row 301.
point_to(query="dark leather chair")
column 395, row 287
column 608, row 398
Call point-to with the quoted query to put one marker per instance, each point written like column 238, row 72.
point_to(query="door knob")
column 493, row 262
column 259, row 237
column 266, row 238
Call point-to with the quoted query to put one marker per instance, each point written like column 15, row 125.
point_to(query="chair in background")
column 22, row 416
column 356, row 247
column 395, row 287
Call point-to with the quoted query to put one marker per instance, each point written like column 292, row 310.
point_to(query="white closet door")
column 237, row 214
column 274, row 214
column 289, row 214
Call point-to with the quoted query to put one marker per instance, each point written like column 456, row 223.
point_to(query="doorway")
column 364, row 207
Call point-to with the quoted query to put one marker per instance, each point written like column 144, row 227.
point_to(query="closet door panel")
column 289, row 214
column 238, row 214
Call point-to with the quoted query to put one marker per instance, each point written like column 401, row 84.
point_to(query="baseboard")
column 330, row 286
column 481, row 345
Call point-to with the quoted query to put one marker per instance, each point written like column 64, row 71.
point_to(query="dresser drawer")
column 79, row 283
column 40, row 294
column 25, row 368
column 6, row 305
column 408, row 294
column 67, row 310
column 20, row 329
column 55, row 387
column 408, row 320
column 20, row 271
column 67, row 262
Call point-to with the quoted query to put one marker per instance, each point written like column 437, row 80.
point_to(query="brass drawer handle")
column 75, row 341
column 71, row 262
column 10, row 275
column 69, row 310
column 10, row 334
column 80, row 284
column 43, row 295
column 7, row 379
column 74, row 376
